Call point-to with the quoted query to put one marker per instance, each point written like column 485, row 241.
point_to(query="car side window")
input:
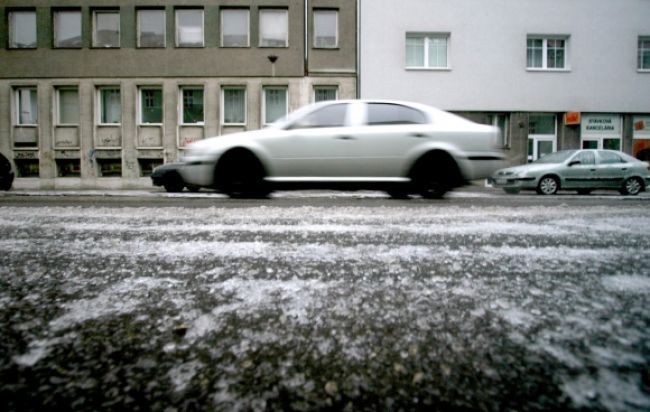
column 328, row 116
column 586, row 158
column 609, row 158
column 393, row 114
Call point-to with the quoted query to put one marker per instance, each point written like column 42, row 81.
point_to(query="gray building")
column 96, row 94
column 553, row 74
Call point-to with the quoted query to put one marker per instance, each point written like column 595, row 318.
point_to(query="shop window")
column 151, row 106
column 27, row 167
column 191, row 105
column 189, row 28
column 110, row 105
column 275, row 104
column 547, row 53
column 67, row 106
column 22, row 29
column 325, row 93
column 68, row 167
column 110, row 167
column 106, row 28
column 235, row 28
column 147, row 166
column 427, row 51
column 67, row 28
column 326, row 35
column 234, row 105
column 27, row 106
column 274, row 28
column 151, row 28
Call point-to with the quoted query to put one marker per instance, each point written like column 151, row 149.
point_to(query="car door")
column 611, row 169
column 580, row 171
column 314, row 146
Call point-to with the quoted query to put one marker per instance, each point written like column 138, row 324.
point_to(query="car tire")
column 241, row 175
column 548, row 185
column 632, row 186
column 173, row 183
column 193, row 188
column 435, row 174
column 584, row 192
column 511, row 190
column 398, row 194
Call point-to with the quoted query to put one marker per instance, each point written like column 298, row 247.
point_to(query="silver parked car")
column 581, row 170
column 402, row 148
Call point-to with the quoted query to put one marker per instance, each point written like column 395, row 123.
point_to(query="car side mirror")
column 574, row 162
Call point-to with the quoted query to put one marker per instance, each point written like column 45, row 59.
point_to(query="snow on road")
column 333, row 303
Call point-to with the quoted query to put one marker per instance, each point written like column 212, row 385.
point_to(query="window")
column 234, row 105
column 585, row 158
column 22, row 29
column 275, row 104
column 191, row 105
column 501, row 121
column 151, row 28
column 67, row 106
column 542, row 135
column 609, row 157
column 274, row 28
column 151, row 105
column 328, row 116
column 389, row 114
column 189, row 28
column 67, row 28
column 27, row 105
column 325, row 93
column 427, row 51
column 326, row 34
column 106, row 28
column 547, row 53
column 644, row 53
column 234, row 28
column 110, row 167
column 68, row 167
column 110, row 105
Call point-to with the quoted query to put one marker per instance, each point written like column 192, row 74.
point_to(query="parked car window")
column 585, row 158
column 557, row 157
column 328, row 116
column 609, row 157
column 387, row 114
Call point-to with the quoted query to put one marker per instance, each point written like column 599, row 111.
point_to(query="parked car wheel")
column 173, row 183
column 632, row 186
column 548, row 185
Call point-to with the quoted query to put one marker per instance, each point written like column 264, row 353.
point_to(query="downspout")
column 306, row 38
column 358, row 49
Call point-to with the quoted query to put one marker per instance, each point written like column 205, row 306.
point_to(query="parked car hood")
column 530, row 168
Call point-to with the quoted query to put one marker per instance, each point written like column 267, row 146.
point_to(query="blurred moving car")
column 581, row 170
column 168, row 176
column 6, row 173
column 402, row 148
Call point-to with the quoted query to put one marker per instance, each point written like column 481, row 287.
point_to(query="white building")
column 554, row 74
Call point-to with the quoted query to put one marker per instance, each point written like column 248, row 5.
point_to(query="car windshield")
column 557, row 157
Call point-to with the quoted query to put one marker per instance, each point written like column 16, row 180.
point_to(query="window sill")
column 643, row 70
column 104, row 47
column 109, row 124
column 539, row 70
column 150, row 124
column 235, row 47
column 31, row 126
column 334, row 48
column 233, row 124
column 429, row 69
column 22, row 48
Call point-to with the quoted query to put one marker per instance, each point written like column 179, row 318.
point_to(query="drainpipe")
column 306, row 37
column 358, row 49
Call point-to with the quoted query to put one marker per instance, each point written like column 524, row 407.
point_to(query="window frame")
column 11, row 26
column 260, row 32
column 427, row 37
column 640, row 52
column 141, row 90
column 177, row 27
column 139, row 27
column 55, row 25
column 18, row 101
column 95, row 16
column 545, row 38
column 100, row 105
column 336, row 29
column 223, row 105
column 265, row 89
column 181, row 105
column 57, row 105
column 248, row 26
column 318, row 87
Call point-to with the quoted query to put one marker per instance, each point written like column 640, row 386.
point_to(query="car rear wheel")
column 435, row 174
column 632, row 186
column 173, row 183
column 241, row 175
column 548, row 185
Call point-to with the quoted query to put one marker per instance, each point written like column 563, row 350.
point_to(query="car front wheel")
column 173, row 183
column 631, row 186
column 548, row 185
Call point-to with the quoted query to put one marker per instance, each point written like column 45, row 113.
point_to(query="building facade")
column 97, row 94
column 551, row 74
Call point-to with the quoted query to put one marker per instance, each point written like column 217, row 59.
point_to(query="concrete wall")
column 487, row 54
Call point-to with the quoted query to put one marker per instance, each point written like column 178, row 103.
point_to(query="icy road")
column 353, row 306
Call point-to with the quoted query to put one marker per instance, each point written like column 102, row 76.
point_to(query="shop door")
column 542, row 135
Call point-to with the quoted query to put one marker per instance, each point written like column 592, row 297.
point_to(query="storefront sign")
column 601, row 125
column 641, row 127
column 572, row 118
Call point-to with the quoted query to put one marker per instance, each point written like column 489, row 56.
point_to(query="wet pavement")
column 311, row 302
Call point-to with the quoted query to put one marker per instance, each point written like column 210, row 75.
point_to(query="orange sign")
column 572, row 118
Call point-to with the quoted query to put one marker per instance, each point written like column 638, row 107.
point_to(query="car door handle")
column 592, row 170
column 418, row 135
column 345, row 137
column 624, row 169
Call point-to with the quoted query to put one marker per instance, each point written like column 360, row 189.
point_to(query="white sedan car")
column 402, row 148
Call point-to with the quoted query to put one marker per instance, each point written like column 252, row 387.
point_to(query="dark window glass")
column 387, row 114
column 329, row 116
column 609, row 157
column 585, row 158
